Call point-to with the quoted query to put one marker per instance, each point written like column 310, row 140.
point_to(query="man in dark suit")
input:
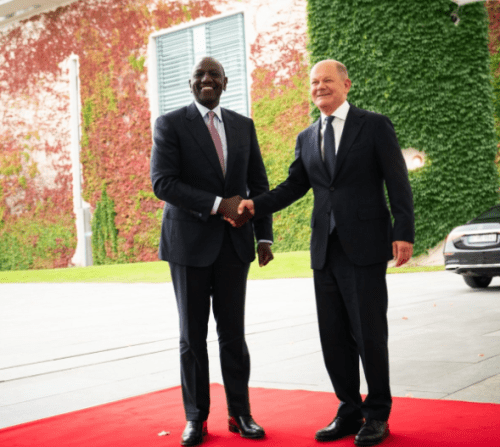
column 346, row 157
column 205, row 159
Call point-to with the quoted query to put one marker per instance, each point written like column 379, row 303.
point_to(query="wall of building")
column 109, row 37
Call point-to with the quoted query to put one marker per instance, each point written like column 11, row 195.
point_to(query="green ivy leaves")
column 104, row 232
column 409, row 61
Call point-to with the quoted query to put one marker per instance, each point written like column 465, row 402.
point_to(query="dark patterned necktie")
column 330, row 158
column 216, row 139
column 329, row 146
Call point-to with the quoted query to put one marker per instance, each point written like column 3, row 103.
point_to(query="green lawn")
column 284, row 265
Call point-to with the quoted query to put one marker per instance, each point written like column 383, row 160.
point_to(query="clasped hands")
column 233, row 212
column 237, row 212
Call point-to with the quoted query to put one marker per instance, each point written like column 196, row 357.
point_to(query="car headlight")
column 454, row 235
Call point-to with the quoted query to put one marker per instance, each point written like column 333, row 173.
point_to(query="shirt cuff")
column 264, row 241
column 217, row 202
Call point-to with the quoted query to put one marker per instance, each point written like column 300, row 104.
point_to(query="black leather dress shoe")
column 339, row 428
column 372, row 433
column 194, row 432
column 246, row 427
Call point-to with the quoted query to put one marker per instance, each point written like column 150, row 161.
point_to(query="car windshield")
column 492, row 215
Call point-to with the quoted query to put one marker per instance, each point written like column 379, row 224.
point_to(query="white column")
column 83, row 253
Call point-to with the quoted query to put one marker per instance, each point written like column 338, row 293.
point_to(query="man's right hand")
column 245, row 207
column 229, row 209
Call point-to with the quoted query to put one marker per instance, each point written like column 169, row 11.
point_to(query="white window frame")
column 153, row 66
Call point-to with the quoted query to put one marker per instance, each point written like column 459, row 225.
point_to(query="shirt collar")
column 340, row 112
column 204, row 110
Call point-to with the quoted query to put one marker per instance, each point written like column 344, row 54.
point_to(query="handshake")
column 236, row 211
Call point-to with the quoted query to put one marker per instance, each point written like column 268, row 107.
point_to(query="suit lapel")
column 197, row 127
column 353, row 124
column 231, row 138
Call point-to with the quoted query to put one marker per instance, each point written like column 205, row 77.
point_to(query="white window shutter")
column 224, row 39
column 226, row 43
column 175, row 62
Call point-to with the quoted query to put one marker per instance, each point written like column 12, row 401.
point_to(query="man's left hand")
column 265, row 253
column 402, row 252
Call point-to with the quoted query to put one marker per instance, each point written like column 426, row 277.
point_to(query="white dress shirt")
column 338, row 126
column 219, row 125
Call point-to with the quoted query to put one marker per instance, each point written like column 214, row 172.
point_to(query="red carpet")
column 290, row 418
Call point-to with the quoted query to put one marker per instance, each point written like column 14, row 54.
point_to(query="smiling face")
column 207, row 82
column 329, row 86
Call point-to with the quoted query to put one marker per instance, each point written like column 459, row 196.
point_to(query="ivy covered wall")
column 280, row 109
column 409, row 61
column 110, row 38
column 36, row 222
column 493, row 8
column 37, row 228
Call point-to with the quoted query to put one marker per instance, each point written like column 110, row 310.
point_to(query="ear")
column 190, row 86
column 224, row 85
column 347, row 84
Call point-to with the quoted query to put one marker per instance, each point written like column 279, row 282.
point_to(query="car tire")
column 478, row 282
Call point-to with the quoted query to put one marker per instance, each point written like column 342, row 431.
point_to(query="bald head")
column 330, row 84
column 333, row 64
column 208, row 60
column 208, row 81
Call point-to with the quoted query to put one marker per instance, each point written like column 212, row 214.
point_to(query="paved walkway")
column 65, row 347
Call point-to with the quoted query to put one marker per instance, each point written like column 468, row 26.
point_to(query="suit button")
column 332, row 188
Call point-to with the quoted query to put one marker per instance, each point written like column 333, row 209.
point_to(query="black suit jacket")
column 186, row 174
column 368, row 156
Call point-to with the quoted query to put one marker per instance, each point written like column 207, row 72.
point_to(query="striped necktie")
column 216, row 139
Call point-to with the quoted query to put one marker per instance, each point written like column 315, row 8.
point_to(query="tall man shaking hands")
column 346, row 157
column 205, row 159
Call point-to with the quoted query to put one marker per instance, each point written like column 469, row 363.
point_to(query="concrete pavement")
column 65, row 347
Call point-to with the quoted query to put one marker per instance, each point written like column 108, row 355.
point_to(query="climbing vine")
column 409, row 61
column 104, row 232
column 493, row 8
column 280, row 108
column 110, row 38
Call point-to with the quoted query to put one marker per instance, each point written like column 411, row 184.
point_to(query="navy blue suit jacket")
column 368, row 156
column 186, row 174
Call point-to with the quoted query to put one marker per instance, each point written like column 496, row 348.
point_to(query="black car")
column 473, row 249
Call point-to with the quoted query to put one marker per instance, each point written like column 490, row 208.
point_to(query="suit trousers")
column 352, row 305
column 223, row 283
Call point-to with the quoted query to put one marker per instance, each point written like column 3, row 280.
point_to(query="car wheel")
column 477, row 282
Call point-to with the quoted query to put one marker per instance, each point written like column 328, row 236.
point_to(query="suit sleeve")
column 166, row 175
column 396, row 179
column 293, row 188
column 258, row 183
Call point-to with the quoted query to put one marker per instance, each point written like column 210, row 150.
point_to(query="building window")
column 176, row 52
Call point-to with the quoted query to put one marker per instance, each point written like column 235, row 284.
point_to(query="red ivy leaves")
column 291, row 48
column 104, row 34
column 493, row 8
